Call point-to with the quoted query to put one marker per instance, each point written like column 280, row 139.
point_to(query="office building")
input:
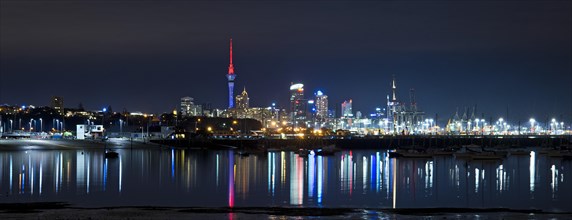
column 321, row 106
column 297, row 102
column 242, row 100
column 189, row 108
column 58, row 104
column 347, row 111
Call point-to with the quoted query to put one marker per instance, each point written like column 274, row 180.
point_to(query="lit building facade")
column 297, row 103
column 347, row 111
column 58, row 104
column 321, row 106
column 189, row 108
column 242, row 100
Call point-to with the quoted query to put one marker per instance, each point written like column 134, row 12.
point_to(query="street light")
column 504, row 127
column 532, row 121
column 103, row 121
column 10, row 125
column 121, row 127
column 468, row 126
column 41, row 125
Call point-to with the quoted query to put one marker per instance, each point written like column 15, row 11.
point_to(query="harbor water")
column 173, row 177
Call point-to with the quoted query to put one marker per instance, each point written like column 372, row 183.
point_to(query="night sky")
column 145, row 56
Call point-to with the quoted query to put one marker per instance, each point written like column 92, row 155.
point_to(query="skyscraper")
column 189, row 108
column 230, row 77
column 297, row 102
column 186, row 104
column 242, row 100
column 321, row 106
column 58, row 104
column 347, row 109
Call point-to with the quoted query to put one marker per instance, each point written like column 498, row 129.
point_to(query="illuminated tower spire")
column 230, row 66
column 230, row 77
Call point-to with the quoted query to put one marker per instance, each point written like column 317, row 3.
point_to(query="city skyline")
column 524, row 67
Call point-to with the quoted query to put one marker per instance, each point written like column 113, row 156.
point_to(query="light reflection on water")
column 177, row 177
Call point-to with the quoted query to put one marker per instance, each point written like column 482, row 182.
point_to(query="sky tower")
column 230, row 77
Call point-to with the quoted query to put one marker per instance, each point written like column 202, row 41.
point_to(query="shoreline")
column 377, row 142
column 64, row 144
column 254, row 145
column 62, row 210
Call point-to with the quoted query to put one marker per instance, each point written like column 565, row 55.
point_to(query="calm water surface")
column 366, row 179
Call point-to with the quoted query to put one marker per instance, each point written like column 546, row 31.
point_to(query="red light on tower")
column 230, row 66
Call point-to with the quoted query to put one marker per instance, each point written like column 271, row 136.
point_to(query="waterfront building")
column 58, row 104
column 230, row 78
column 242, row 100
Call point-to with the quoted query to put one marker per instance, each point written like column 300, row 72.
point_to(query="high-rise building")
column 189, row 108
column 347, row 109
column 321, row 106
column 230, row 77
column 297, row 102
column 242, row 100
column 58, row 104
column 186, row 104
column 310, row 110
